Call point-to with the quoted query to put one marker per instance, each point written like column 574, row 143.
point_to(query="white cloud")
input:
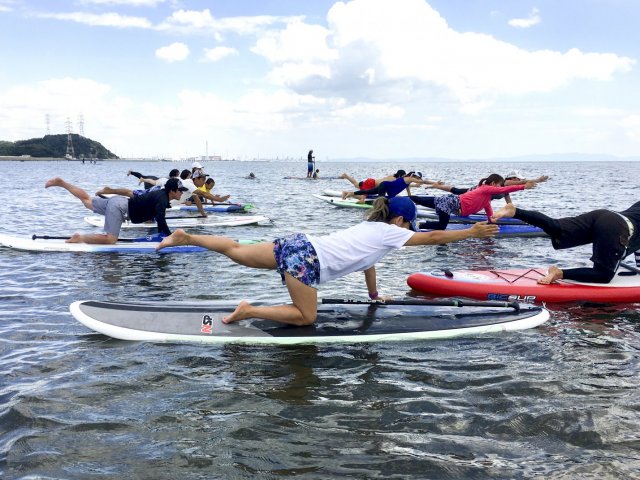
column 373, row 50
column 101, row 20
column 203, row 22
column 175, row 52
column 530, row 21
column 218, row 53
column 132, row 3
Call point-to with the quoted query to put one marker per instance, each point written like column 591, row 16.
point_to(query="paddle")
column 451, row 302
column 50, row 237
column 631, row 268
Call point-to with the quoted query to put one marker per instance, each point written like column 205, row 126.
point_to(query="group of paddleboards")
column 502, row 300
column 509, row 227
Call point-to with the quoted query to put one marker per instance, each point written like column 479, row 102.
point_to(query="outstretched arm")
column 439, row 237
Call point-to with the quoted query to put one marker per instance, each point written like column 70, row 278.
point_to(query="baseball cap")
column 514, row 174
column 196, row 165
column 405, row 208
column 198, row 174
column 174, row 184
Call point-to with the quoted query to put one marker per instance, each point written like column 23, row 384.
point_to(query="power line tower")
column 81, row 125
column 70, row 153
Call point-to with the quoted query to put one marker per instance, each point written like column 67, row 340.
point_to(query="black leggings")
column 138, row 175
column 604, row 229
column 443, row 217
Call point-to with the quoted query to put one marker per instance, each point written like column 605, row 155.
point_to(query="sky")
column 380, row 79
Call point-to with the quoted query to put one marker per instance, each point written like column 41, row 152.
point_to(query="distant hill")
column 56, row 146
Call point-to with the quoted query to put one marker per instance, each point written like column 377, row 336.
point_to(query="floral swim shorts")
column 296, row 256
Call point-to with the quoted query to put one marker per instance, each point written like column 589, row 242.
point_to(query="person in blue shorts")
column 311, row 163
column 306, row 261
column 614, row 235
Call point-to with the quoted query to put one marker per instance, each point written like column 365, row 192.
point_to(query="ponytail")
column 493, row 178
column 380, row 210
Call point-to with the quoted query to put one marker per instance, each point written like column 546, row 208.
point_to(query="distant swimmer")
column 306, row 261
column 251, row 176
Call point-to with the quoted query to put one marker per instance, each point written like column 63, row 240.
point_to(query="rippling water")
column 559, row 401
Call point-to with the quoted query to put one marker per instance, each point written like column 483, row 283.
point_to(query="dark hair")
column 399, row 173
column 186, row 173
column 360, row 184
column 210, row 180
column 174, row 173
column 493, row 178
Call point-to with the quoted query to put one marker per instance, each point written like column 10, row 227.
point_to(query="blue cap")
column 405, row 208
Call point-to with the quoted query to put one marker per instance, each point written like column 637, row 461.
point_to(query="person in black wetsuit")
column 139, row 209
column 614, row 235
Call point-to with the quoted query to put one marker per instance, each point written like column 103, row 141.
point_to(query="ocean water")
column 559, row 401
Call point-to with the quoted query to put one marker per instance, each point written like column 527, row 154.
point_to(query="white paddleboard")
column 185, row 222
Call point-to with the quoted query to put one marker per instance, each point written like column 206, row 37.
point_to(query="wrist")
column 373, row 295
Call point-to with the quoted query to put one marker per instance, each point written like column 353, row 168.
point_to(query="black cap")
column 174, row 184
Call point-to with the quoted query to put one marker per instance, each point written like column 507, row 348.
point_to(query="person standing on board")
column 311, row 163
column 614, row 235
column 305, row 261
column 117, row 209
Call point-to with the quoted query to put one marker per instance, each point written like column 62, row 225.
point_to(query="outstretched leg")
column 77, row 192
column 125, row 192
column 351, row 179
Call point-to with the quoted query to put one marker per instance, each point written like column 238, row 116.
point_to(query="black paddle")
column 50, row 237
column 631, row 268
column 451, row 302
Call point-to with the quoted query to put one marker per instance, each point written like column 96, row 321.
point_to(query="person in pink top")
column 476, row 199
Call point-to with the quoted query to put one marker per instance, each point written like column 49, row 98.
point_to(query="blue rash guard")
column 389, row 189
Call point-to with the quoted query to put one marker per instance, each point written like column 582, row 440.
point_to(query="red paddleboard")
column 521, row 285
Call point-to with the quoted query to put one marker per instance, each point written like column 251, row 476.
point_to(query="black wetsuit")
column 139, row 175
column 605, row 229
column 150, row 206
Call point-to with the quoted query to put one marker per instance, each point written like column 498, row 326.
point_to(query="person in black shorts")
column 614, row 235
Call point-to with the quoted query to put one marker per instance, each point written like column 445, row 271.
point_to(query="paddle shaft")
column 631, row 268
column 445, row 303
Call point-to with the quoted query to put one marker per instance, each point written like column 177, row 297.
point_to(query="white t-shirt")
column 190, row 186
column 356, row 248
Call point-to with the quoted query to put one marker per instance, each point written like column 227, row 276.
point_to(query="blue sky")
column 382, row 79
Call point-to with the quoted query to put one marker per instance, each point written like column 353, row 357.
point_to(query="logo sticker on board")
column 207, row 323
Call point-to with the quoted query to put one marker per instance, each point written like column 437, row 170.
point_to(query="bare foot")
column 54, row 182
column 75, row 238
column 240, row 313
column 342, row 175
column 179, row 237
column 103, row 191
column 508, row 211
column 553, row 274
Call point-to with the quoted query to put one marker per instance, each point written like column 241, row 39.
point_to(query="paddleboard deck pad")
column 217, row 208
column 185, row 222
column 504, row 231
column 521, row 285
column 137, row 245
column 336, row 323
column 353, row 203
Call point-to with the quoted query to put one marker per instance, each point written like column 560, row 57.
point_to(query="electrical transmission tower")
column 70, row 153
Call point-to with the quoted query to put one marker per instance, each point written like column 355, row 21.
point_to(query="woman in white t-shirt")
column 304, row 261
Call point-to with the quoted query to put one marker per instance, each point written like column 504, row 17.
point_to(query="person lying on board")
column 476, row 199
column 305, row 261
column 209, row 183
column 514, row 178
column 192, row 194
column 369, row 183
column 402, row 181
column 117, row 209
column 143, row 178
column 614, row 235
